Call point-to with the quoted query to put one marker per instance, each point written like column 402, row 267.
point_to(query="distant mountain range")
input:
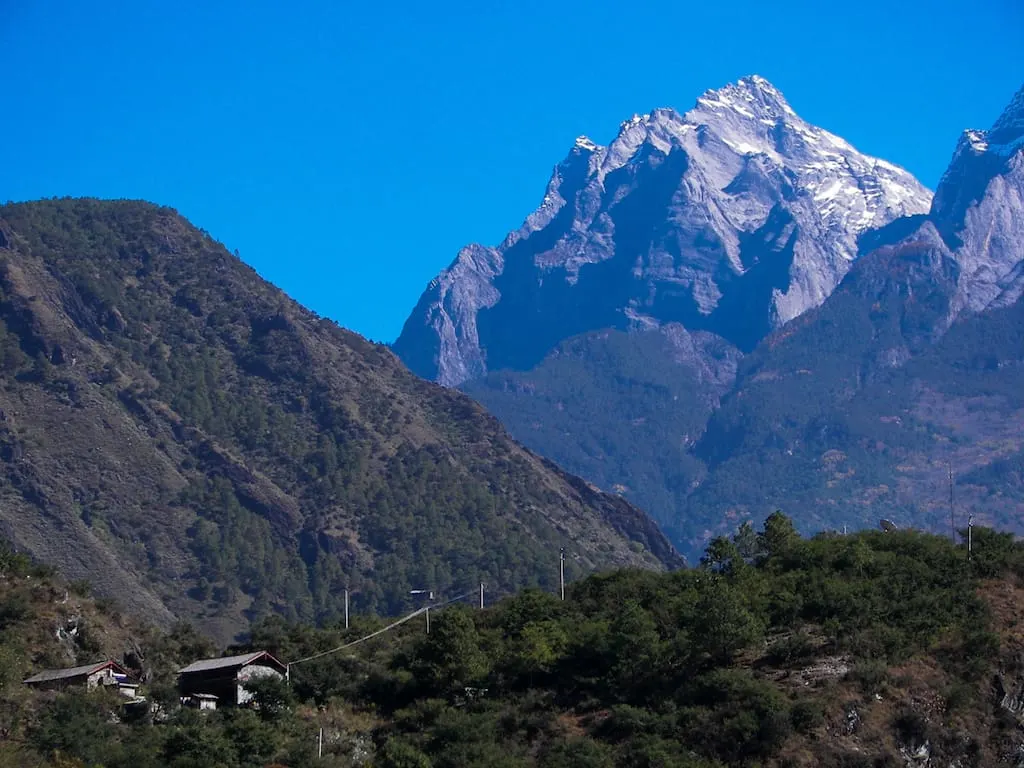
column 196, row 444
column 730, row 310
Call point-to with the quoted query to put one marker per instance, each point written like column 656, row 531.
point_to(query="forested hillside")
column 623, row 410
column 871, row 649
column 862, row 408
column 179, row 432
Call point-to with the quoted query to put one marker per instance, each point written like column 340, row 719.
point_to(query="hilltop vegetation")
column 178, row 431
column 862, row 650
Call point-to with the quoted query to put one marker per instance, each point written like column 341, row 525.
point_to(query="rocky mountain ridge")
column 734, row 218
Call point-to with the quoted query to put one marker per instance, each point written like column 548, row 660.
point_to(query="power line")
column 455, row 599
column 389, row 627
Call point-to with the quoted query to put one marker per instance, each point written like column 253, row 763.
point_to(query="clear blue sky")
column 347, row 150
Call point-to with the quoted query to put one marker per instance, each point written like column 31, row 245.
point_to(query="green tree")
column 779, row 536
column 254, row 741
column 723, row 624
column 578, row 753
column 195, row 742
column 636, row 650
column 272, row 697
column 450, row 657
column 397, row 753
column 536, row 649
column 78, row 723
column 747, row 542
column 722, row 556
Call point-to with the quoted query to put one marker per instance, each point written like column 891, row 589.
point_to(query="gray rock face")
column 978, row 209
column 975, row 225
column 733, row 218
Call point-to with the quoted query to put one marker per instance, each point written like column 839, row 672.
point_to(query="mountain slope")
column 914, row 365
column 181, row 433
column 657, row 261
column 851, row 410
column 622, row 409
column 733, row 218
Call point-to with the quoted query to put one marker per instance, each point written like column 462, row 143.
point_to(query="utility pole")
column 481, row 595
column 970, row 531
column 952, row 517
column 320, row 745
column 430, row 596
column 346, row 609
column 561, row 571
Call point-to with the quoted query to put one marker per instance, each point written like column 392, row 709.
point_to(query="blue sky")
column 348, row 150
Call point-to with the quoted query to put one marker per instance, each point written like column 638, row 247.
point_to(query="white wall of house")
column 253, row 672
column 103, row 677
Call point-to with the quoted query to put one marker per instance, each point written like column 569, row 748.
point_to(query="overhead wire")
column 417, row 612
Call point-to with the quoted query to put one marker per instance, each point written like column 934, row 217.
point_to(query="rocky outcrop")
column 733, row 218
column 973, row 236
column 827, row 416
column 978, row 211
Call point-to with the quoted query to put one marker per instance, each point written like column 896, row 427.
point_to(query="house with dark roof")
column 225, row 678
column 108, row 674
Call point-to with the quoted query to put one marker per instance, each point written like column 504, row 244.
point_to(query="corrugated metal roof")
column 48, row 675
column 227, row 662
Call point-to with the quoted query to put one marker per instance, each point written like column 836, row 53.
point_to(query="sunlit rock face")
column 733, row 218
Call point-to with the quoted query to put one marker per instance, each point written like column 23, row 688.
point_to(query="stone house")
column 225, row 678
column 108, row 674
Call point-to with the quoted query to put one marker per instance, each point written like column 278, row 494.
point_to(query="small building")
column 108, row 674
column 225, row 678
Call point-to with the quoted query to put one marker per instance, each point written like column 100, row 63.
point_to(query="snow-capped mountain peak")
column 751, row 96
column 729, row 125
column 738, row 197
column 752, row 117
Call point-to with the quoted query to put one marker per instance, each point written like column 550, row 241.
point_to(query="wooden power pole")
column 952, row 516
column 561, row 572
